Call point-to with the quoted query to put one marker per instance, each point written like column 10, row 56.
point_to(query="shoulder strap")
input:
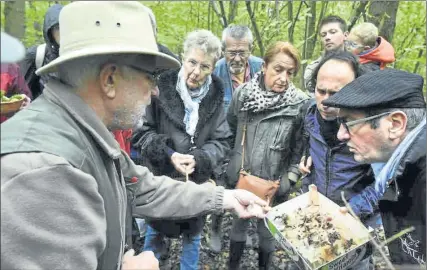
column 41, row 51
column 243, row 139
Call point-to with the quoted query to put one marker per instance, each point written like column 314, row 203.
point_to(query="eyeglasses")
column 349, row 124
column 233, row 54
column 153, row 76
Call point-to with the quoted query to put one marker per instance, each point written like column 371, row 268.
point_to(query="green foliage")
column 177, row 18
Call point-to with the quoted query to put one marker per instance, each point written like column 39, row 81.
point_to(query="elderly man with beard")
column 238, row 65
column 236, row 68
column 383, row 122
column 67, row 190
column 333, row 32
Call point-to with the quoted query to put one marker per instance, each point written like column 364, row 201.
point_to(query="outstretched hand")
column 245, row 203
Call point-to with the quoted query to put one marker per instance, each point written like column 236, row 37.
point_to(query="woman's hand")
column 26, row 102
column 183, row 163
column 305, row 166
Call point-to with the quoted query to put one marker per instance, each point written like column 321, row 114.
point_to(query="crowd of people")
column 116, row 129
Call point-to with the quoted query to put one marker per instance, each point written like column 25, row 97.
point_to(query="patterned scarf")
column 191, row 99
column 260, row 99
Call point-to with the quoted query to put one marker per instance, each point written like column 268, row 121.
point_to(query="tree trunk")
column 357, row 12
column 14, row 14
column 311, row 34
column 255, row 27
column 383, row 15
column 290, row 18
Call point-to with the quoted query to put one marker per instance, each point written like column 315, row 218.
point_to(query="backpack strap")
column 41, row 52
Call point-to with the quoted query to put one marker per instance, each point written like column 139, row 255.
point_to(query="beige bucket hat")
column 107, row 27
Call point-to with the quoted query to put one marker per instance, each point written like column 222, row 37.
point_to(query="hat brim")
column 12, row 49
column 162, row 61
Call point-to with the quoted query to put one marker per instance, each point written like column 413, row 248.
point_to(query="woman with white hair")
column 185, row 135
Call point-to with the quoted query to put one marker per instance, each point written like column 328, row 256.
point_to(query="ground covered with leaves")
column 210, row 260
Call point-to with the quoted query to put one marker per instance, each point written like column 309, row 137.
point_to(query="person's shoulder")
column 32, row 51
column 220, row 62
column 19, row 163
column 255, row 59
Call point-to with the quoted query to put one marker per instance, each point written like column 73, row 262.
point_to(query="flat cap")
column 390, row 88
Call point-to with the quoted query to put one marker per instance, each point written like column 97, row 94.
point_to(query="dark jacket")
column 164, row 129
column 28, row 65
column 272, row 144
column 404, row 205
column 335, row 170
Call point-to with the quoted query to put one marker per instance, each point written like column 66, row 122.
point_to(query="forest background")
column 403, row 23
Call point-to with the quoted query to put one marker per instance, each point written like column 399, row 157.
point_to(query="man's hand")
column 305, row 166
column 26, row 102
column 183, row 163
column 245, row 203
column 145, row 260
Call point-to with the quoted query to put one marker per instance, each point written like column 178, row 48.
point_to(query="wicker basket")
column 11, row 107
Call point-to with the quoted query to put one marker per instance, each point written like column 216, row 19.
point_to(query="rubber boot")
column 216, row 236
column 236, row 252
column 265, row 260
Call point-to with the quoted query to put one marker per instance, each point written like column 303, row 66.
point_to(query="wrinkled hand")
column 183, row 163
column 25, row 103
column 144, row 260
column 305, row 166
column 245, row 203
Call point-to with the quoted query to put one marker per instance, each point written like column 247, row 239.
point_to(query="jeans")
column 190, row 249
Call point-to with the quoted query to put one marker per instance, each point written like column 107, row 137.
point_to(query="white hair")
column 238, row 32
column 205, row 41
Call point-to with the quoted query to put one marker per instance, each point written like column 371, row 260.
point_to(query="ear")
column 346, row 35
column 398, row 124
column 108, row 79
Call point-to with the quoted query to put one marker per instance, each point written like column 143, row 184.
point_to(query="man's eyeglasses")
column 233, row 54
column 349, row 124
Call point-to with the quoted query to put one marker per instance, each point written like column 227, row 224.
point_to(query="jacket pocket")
column 280, row 136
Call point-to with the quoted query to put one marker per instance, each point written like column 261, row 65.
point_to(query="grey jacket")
column 272, row 148
column 70, row 213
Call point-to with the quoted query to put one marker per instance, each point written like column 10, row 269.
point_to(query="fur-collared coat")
column 164, row 127
column 164, row 130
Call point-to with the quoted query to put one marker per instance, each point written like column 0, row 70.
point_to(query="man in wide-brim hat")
column 67, row 190
column 383, row 121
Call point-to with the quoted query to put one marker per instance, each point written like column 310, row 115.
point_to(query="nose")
column 342, row 134
column 284, row 77
column 196, row 70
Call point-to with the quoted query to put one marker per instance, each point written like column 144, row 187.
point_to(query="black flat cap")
column 390, row 88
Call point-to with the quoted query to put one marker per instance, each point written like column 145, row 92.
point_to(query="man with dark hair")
column 383, row 122
column 328, row 162
column 333, row 33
